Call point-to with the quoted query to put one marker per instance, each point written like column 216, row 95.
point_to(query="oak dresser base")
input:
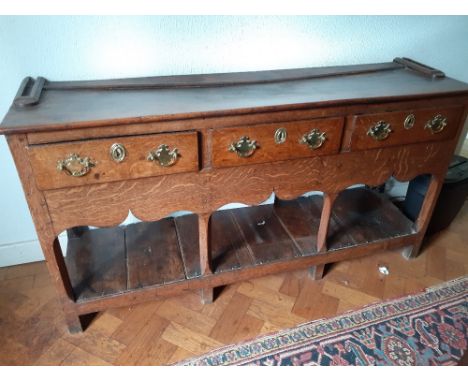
column 89, row 154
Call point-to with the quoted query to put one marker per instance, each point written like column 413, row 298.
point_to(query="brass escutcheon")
column 281, row 135
column 74, row 165
column 436, row 124
column 314, row 139
column 117, row 152
column 164, row 156
column 380, row 131
column 244, row 147
column 409, row 121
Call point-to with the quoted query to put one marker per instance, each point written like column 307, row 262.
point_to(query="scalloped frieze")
column 151, row 199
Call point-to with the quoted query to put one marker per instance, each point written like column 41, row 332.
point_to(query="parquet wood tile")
column 157, row 352
column 56, row 353
column 35, row 299
column 107, row 324
column 291, row 285
column 79, row 357
column 395, row 285
column 188, row 339
column 41, row 329
column 273, row 282
column 98, row 344
column 32, row 328
column 18, row 284
column 313, row 302
column 456, row 256
column 435, row 264
column 346, row 279
column 276, row 315
column 222, row 301
column 178, row 313
column 144, row 342
column 419, row 284
column 345, row 306
column 42, row 280
column 227, row 325
column 268, row 328
column 266, row 295
column 14, row 353
column 178, row 355
column 355, row 297
column 415, row 268
column 248, row 327
column 136, row 318
column 30, row 269
column 10, row 301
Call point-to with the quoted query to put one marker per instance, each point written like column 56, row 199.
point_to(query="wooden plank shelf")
column 108, row 261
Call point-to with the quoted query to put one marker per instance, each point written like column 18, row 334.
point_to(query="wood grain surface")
column 270, row 151
column 96, row 262
column 108, row 204
column 111, row 261
column 113, row 266
column 97, row 107
column 135, row 165
column 255, row 117
column 49, row 242
column 399, row 135
column 167, row 330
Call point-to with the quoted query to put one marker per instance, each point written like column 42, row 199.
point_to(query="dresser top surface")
column 100, row 103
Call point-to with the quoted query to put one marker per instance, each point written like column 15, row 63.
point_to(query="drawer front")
column 276, row 142
column 403, row 127
column 106, row 160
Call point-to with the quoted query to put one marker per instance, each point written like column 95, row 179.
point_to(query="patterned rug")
column 429, row 328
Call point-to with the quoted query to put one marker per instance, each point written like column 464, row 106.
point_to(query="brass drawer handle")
column 74, row 165
column 164, row 156
column 436, row 124
column 244, row 147
column 380, row 131
column 314, row 139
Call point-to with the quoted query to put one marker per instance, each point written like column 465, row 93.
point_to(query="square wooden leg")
column 207, row 295
column 316, row 272
column 411, row 251
column 73, row 322
column 424, row 217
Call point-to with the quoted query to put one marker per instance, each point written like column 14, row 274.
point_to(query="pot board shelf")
column 108, row 261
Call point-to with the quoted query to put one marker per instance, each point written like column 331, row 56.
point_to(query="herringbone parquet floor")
column 32, row 329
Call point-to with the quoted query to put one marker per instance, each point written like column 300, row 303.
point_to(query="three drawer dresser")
column 91, row 153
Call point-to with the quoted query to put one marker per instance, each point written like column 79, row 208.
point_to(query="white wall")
column 73, row 48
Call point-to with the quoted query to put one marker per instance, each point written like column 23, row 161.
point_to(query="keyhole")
column 280, row 135
column 117, row 152
column 409, row 121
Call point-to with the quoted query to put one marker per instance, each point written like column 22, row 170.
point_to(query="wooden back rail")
column 30, row 90
column 197, row 143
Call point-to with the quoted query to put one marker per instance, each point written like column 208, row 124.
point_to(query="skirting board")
column 24, row 252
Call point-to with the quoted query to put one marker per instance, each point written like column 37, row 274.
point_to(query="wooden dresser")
column 90, row 153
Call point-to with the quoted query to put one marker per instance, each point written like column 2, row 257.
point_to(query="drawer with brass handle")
column 237, row 146
column 401, row 127
column 106, row 160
